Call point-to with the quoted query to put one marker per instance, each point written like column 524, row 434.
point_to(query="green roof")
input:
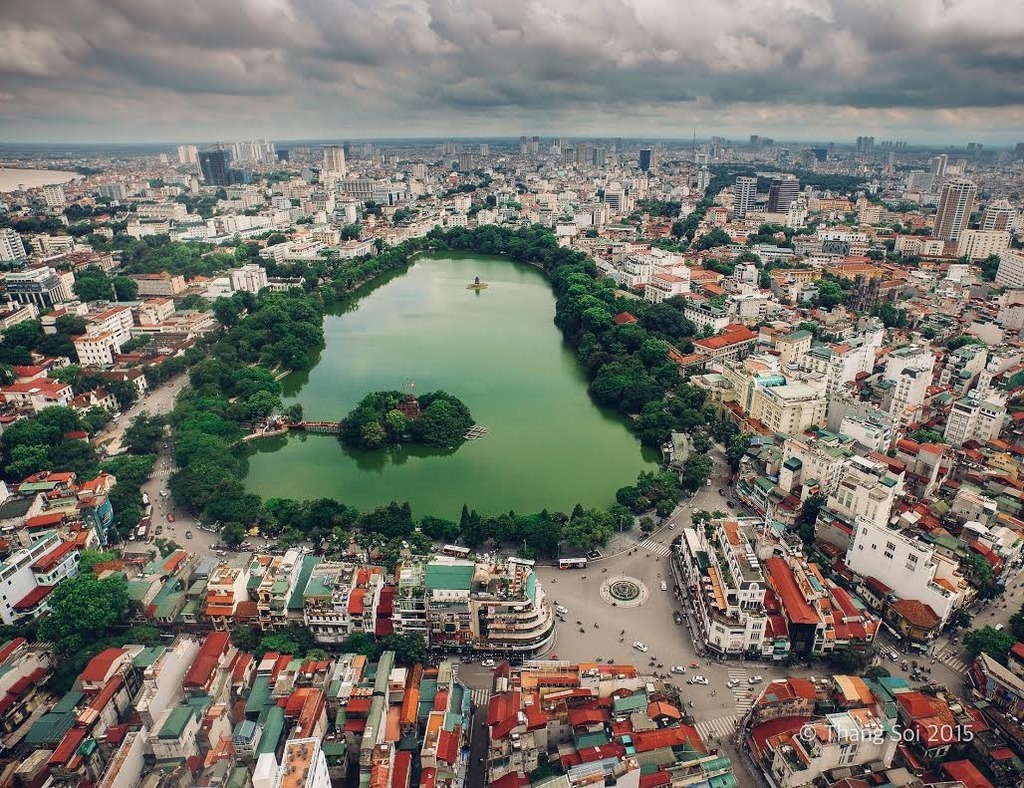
column 630, row 703
column 798, row 335
column 587, row 740
column 176, row 722
column 449, row 577
column 137, row 589
column 319, row 586
column 308, row 563
column 50, row 728
column 259, row 696
column 148, row 656
column 273, row 726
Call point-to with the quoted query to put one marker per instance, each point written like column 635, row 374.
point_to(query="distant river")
column 10, row 179
column 547, row 445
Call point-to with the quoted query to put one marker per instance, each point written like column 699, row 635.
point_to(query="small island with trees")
column 389, row 418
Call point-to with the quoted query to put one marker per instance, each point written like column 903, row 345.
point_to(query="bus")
column 522, row 562
column 455, row 551
column 572, row 563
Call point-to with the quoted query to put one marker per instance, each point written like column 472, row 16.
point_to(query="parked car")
column 170, row 517
column 697, row 680
column 732, row 683
column 730, row 504
column 561, row 610
column 639, row 646
column 755, row 680
column 488, row 663
column 678, row 618
column 678, row 669
column 664, row 586
column 188, row 534
column 721, row 491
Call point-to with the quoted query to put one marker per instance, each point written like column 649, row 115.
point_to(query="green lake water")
column 547, row 445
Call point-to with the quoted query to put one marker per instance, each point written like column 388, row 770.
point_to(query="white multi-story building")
column 54, row 195
column 789, row 409
column 334, row 160
column 980, row 244
column 973, row 418
column 116, row 321
column 744, row 193
column 819, row 458
column 1011, row 269
column 728, row 592
column 251, row 278
column 11, row 245
column 97, row 350
column 909, row 566
column 29, row 576
column 869, row 432
column 664, row 285
column 866, row 491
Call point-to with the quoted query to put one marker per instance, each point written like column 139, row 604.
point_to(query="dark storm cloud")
column 302, row 66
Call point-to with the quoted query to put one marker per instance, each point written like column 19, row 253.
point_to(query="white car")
column 697, row 680
column 755, row 680
column 678, row 669
column 639, row 646
column 561, row 610
column 664, row 586
column 732, row 683
column 488, row 663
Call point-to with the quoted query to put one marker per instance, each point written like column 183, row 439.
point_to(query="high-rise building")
column 582, row 154
column 781, row 193
column 939, row 164
column 568, row 155
column 645, row 159
column 11, row 245
column 998, row 215
column 213, row 164
column 485, row 149
column 466, row 161
column 188, row 154
column 54, row 195
column 743, row 196
column 334, row 160
column 600, row 156
column 954, row 208
column 865, row 144
column 1011, row 270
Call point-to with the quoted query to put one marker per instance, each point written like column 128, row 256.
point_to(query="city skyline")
column 928, row 72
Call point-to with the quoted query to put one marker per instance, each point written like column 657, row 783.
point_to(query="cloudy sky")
column 944, row 71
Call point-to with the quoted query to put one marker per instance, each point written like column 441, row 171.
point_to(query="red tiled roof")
column 10, row 647
column 355, row 601
column 624, row 318
column 448, row 746
column 199, row 673
column 55, row 556
column 48, row 520
column 917, row 613
column 797, row 610
column 734, row 334
column 99, row 666
column 655, row 779
column 109, row 691
column 66, row 749
column 34, row 597
column 645, row 741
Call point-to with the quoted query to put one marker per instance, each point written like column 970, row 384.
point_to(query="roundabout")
column 624, row 591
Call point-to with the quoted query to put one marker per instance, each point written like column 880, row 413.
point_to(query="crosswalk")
column 743, row 693
column 656, row 547
column 480, row 697
column 950, row 657
column 721, row 727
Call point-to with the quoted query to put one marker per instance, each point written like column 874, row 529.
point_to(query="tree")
column 245, row 638
column 73, row 325
column 830, row 294
column 125, row 288
column 735, row 450
column 989, row 640
column 89, row 558
column 877, row 672
column 589, row 528
column 438, row 529
column 809, row 516
column 647, row 524
column 145, row 434
column 93, row 285
column 409, row 649
column 233, row 534
column 846, row 661
column 1017, row 624
column 716, row 237
column 82, row 610
column 26, row 460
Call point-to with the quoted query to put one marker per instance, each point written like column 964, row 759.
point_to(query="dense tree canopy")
column 378, row 420
column 82, row 610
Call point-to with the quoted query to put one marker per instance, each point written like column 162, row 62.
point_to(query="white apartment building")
column 909, row 566
column 11, row 245
column 866, row 491
column 54, row 196
column 870, row 433
column 188, row 154
column 30, row 574
column 664, row 285
column 1011, row 269
column 972, row 418
column 162, row 210
column 980, row 244
column 44, row 244
column 789, row 409
column 116, row 321
column 728, row 593
column 705, row 316
column 97, row 350
column 251, row 278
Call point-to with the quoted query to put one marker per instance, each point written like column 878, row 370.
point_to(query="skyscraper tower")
column 334, row 159
column 954, row 208
column 645, row 159
column 745, row 191
column 213, row 164
column 781, row 193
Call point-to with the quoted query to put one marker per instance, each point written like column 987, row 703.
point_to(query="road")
column 159, row 401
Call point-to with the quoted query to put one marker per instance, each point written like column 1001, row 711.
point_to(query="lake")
column 11, row 179
column 547, row 445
